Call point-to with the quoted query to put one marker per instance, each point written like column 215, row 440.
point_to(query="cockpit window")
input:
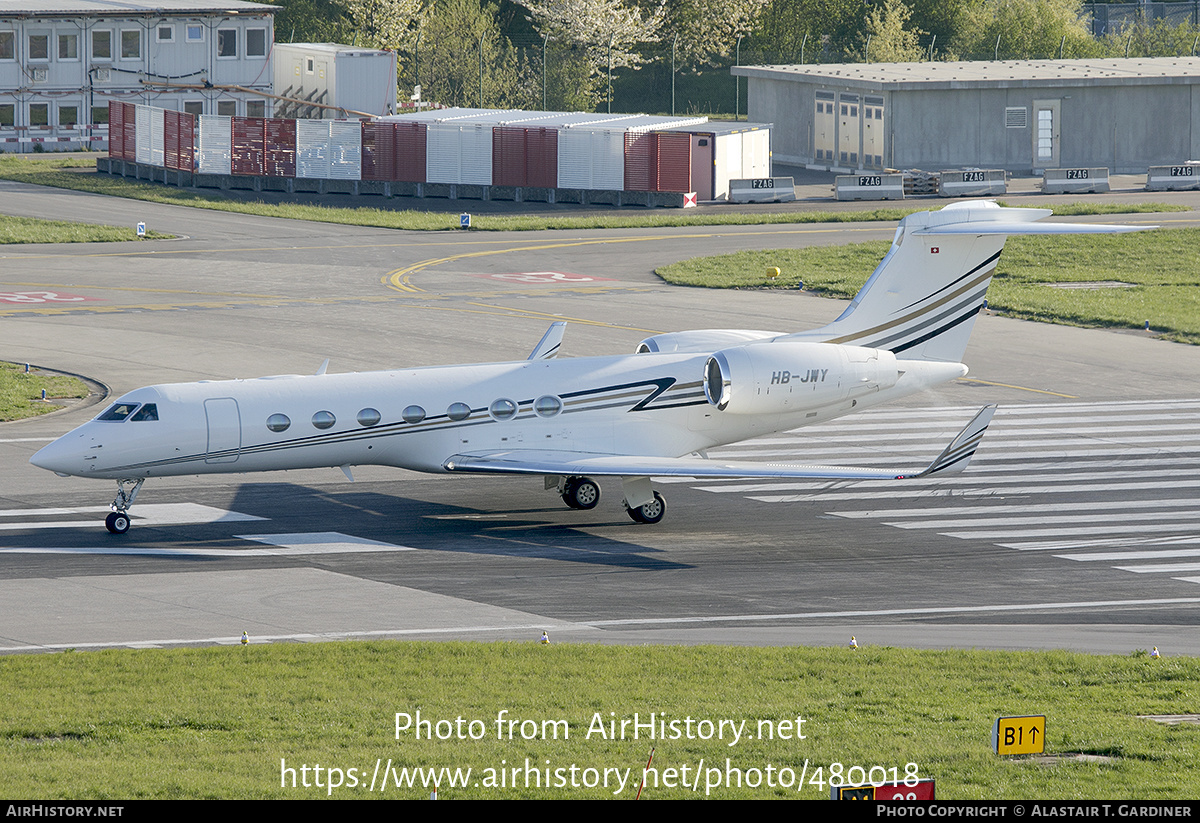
column 146, row 412
column 118, row 411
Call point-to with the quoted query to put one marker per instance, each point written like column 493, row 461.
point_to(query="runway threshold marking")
column 149, row 514
column 280, row 545
column 319, row 543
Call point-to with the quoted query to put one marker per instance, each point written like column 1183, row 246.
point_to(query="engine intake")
column 776, row 378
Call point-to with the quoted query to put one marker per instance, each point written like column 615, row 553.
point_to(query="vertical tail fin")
column 923, row 297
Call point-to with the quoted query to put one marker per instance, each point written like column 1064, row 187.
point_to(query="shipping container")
column 727, row 151
column 458, row 153
column 216, row 144
column 591, row 158
column 279, row 158
column 658, row 161
column 142, row 135
column 347, row 77
column 179, row 137
column 249, row 143
column 312, row 148
column 116, row 130
column 345, row 145
column 330, row 149
column 523, row 156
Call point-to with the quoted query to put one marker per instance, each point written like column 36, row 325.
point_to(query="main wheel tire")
column 650, row 513
column 581, row 493
column 117, row 522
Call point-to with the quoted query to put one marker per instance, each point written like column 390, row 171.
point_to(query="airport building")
column 63, row 61
column 1123, row 114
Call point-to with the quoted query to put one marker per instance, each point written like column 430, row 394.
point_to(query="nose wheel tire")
column 650, row 513
column 117, row 522
column 581, row 493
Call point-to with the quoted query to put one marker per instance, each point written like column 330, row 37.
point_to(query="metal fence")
column 1114, row 18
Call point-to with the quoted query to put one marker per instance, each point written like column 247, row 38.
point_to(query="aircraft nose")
column 61, row 457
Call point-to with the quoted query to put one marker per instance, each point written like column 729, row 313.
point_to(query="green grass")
column 57, row 172
column 31, row 230
column 20, row 393
column 1163, row 265
column 217, row 722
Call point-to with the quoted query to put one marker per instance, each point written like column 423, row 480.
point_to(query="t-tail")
column 922, row 299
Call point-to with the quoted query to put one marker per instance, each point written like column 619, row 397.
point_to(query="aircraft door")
column 224, row 430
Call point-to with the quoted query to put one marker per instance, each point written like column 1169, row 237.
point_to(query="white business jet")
column 652, row 413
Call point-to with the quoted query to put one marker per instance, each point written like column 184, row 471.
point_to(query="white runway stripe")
column 1123, row 542
column 1085, row 505
column 963, row 480
column 1113, row 557
column 1110, row 482
column 1061, row 520
column 907, row 488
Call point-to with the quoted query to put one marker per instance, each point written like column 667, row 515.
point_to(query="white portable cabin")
column 344, row 77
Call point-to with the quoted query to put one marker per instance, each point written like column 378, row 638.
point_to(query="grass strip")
column 15, row 230
column 225, row 721
column 1160, row 270
column 21, row 392
column 58, row 172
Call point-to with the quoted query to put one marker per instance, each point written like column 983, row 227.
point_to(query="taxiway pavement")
column 1090, row 457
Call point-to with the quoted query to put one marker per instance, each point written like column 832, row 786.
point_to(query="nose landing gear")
column 118, row 521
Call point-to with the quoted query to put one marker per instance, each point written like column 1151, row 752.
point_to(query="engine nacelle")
column 776, row 378
column 701, row 340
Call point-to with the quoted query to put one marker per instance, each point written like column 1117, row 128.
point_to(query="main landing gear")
column 118, row 521
column 578, row 492
column 651, row 512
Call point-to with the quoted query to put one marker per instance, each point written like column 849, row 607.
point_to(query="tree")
column 1027, row 29
column 598, row 33
column 385, row 24
column 703, row 28
column 1160, row 40
column 455, row 38
column 821, row 30
column 886, row 40
column 312, row 21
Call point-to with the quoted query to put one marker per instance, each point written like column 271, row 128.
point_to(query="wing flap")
column 954, row 458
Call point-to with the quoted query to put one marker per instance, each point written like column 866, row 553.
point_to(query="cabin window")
column 146, row 412
column 413, row 414
column 323, row 419
column 458, row 411
column 547, row 406
column 503, row 409
column 118, row 411
column 279, row 422
column 369, row 417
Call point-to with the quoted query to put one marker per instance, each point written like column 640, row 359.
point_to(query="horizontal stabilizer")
column 954, row 458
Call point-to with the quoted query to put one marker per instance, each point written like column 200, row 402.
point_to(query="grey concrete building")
column 1125, row 114
column 62, row 61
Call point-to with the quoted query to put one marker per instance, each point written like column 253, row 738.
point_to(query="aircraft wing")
column 954, row 458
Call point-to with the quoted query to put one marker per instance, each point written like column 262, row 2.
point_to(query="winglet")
column 324, row 366
column 547, row 347
column 955, row 457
